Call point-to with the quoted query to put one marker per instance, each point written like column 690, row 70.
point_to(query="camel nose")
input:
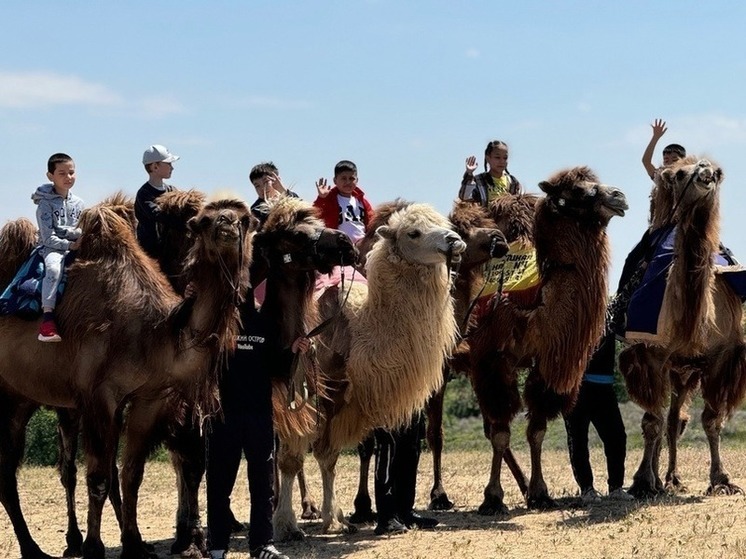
column 455, row 243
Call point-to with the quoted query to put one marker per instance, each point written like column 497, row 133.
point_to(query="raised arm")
column 659, row 128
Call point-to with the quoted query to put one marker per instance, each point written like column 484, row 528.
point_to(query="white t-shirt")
column 350, row 217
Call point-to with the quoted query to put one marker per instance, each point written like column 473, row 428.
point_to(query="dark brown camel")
column 555, row 333
column 702, row 337
column 177, row 342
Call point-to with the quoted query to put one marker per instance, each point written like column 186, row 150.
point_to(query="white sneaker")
column 268, row 552
column 619, row 494
column 590, row 495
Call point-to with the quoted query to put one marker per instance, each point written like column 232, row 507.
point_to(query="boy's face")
column 669, row 157
column 63, row 177
column 162, row 170
column 346, row 181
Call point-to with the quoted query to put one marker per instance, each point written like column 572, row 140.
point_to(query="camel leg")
column 720, row 483
column 309, row 510
column 138, row 436
column 14, row 416
column 363, row 504
column 290, row 457
column 68, row 429
column 438, row 498
column 187, row 450
column 100, row 437
column 332, row 517
column 645, row 480
column 537, row 496
column 681, row 396
column 516, row 470
column 493, row 504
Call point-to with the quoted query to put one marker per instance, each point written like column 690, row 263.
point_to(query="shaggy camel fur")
column 380, row 370
column 153, row 343
column 555, row 333
column 703, row 342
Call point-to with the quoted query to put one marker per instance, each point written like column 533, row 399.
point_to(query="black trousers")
column 397, row 458
column 252, row 434
column 597, row 404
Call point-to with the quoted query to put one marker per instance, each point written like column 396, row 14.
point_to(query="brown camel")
column 380, row 370
column 553, row 334
column 125, row 333
column 700, row 336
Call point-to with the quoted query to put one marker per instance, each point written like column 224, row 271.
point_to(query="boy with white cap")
column 158, row 163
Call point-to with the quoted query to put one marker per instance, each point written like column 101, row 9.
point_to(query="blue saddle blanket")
column 646, row 302
column 22, row 297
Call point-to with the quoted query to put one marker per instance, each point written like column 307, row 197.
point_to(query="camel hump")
column 17, row 239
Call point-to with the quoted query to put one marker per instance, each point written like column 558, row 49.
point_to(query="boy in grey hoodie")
column 57, row 218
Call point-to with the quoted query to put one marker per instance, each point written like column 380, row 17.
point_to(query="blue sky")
column 407, row 90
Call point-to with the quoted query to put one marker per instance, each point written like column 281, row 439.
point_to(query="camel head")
column 222, row 233
column 578, row 193
column 483, row 239
column 420, row 235
column 294, row 238
column 689, row 182
column 123, row 206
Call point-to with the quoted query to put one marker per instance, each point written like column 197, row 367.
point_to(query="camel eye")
column 414, row 234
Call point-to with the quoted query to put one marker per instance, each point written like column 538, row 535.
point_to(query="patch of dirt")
column 685, row 525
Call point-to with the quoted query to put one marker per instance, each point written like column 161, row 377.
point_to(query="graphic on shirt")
column 351, row 217
column 497, row 187
column 516, row 271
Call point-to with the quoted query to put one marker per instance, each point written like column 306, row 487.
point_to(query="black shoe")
column 415, row 520
column 390, row 527
column 268, row 551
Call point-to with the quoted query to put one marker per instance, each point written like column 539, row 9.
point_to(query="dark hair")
column 345, row 166
column 675, row 148
column 262, row 170
column 492, row 146
column 57, row 158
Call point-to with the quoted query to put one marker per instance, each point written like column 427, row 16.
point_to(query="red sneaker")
column 48, row 332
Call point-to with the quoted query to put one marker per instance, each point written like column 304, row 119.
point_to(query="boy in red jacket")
column 344, row 206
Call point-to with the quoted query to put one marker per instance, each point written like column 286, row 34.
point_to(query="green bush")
column 41, row 439
column 460, row 400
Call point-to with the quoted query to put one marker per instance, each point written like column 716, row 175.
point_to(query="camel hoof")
column 73, row 551
column 362, row 516
column 724, row 489
column 94, row 549
column 493, row 507
column 310, row 512
column 541, row 502
column 675, row 486
column 643, row 490
column 441, row 502
column 185, row 538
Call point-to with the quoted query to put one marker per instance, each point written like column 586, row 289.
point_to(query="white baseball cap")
column 158, row 154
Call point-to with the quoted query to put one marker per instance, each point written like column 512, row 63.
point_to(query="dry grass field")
column 687, row 525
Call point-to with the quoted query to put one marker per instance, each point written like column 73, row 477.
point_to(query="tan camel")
column 700, row 335
column 483, row 241
column 383, row 353
column 125, row 333
column 553, row 334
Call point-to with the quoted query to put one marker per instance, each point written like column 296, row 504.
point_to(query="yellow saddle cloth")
column 516, row 271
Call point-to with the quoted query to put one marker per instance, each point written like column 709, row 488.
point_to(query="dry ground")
column 690, row 525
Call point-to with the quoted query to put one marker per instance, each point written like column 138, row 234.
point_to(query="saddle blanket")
column 645, row 321
column 22, row 297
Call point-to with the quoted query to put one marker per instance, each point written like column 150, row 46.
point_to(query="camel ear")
column 249, row 223
column 546, row 186
column 385, row 232
column 195, row 225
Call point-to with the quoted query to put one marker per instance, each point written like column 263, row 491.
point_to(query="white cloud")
column 473, row 53
column 42, row 89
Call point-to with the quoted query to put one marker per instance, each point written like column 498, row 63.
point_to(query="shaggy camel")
column 701, row 336
column 153, row 342
column 554, row 333
column 483, row 241
column 380, row 370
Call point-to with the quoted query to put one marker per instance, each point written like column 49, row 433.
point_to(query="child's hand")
column 276, row 183
column 190, row 291
column 301, row 345
column 323, row 188
column 471, row 164
column 659, row 128
column 75, row 245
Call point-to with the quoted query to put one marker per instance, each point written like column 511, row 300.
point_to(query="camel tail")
column 17, row 240
column 729, row 368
